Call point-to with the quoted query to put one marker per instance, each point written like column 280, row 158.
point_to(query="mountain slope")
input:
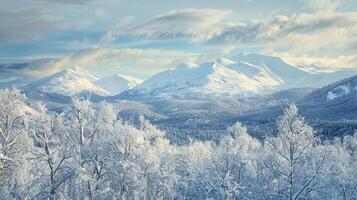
column 275, row 72
column 118, row 83
column 190, row 80
column 274, row 67
column 67, row 82
column 334, row 93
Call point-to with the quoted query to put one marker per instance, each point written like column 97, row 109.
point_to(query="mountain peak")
column 210, row 78
column 118, row 83
column 285, row 72
column 224, row 61
column 67, row 82
column 212, row 65
column 184, row 66
column 257, row 57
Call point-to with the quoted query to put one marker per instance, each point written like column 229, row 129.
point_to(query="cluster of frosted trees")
column 86, row 152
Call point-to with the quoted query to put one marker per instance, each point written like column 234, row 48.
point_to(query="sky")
column 142, row 37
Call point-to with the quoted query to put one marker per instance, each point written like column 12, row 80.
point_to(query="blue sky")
column 141, row 37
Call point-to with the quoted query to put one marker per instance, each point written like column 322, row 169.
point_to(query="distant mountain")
column 273, row 68
column 118, row 83
column 247, row 74
column 339, row 92
column 68, row 82
column 190, row 80
column 276, row 72
column 244, row 74
column 317, row 80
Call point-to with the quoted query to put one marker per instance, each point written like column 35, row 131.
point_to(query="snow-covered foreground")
column 86, row 152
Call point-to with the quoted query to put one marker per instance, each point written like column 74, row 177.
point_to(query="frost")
column 88, row 152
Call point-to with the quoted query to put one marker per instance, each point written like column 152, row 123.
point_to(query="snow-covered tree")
column 88, row 152
column 231, row 171
column 91, row 127
column 14, row 144
column 51, row 154
column 343, row 175
column 294, row 157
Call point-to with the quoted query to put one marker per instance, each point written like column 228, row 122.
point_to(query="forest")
column 88, row 152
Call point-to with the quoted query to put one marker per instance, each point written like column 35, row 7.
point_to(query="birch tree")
column 295, row 158
column 52, row 153
column 14, row 143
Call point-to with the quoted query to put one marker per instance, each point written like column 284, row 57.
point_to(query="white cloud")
column 328, row 35
column 348, row 61
column 212, row 27
column 322, row 4
column 197, row 24
column 142, row 61
column 26, row 24
column 326, row 32
column 120, row 28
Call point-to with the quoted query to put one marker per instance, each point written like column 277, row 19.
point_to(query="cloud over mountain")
column 111, row 59
column 298, row 34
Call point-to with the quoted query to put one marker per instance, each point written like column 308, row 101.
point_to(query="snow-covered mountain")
column 275, row 72
column 67, row 82
column 268, row 66
column 247, row 73
column 191, row 80
column 244, row 74
column 118, row 83
column 335, row 101
column 338, row 91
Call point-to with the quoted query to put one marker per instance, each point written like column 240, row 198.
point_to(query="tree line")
column 87, row 152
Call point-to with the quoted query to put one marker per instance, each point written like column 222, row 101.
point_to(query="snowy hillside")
column 273, row 67
column 245, row 74
column 334, row 102
column 194, row 80
column 67, row 82
column 339, row 91
column 118, row 83
column 275, row 72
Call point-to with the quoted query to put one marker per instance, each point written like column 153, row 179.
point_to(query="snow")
column 208, row 78
column 315, row 68
column 68, row 82
column 246, row 73
column 274, row 66
column 257, row 73
column 338, row 92
column 118, row 83
column 224, row 61
column 64, row 156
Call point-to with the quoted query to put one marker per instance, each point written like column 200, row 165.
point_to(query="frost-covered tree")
column 14, row 144
column 231, row 171
column 343, row 175
column 88, row 152
column 142, row 165
column 51, row 154
column 91, row 125
column 190, row 161
column 294, row 157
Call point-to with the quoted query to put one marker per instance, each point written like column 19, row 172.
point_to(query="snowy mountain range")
column 244, row 75
column 76, row 80
column 189, row 80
